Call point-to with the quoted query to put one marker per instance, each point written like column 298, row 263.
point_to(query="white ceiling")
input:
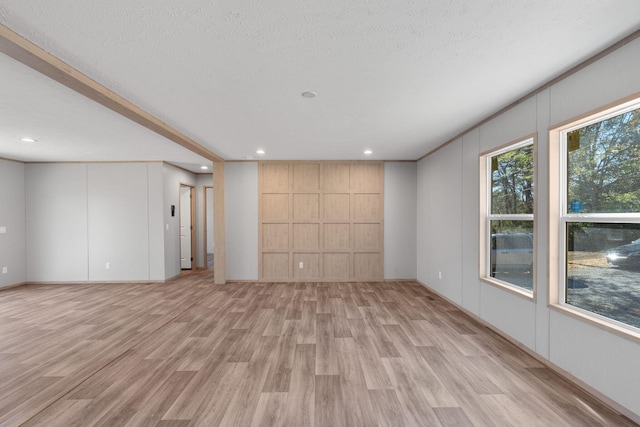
column 70, row 127
column 397, row 77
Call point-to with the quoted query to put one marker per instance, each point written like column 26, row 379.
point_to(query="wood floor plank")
column 329, row 403
column 410, row 395
column 326, row 359
column 301, row 406
column 157, row 401
column 281, row 363
column 307, row 331
column 218, row 395
column 198, row 390
column 388, row 408
column 341, row 327
column 375, row 375
column 354, row 386
column 67, row 414
column 243, row 405
column 191, row 353
column 453, row 417
column 277, row 318
column 269, row 411
column 436, row 393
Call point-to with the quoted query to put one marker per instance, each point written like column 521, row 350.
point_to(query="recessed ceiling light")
column 204, row 168
column 260, row 151
column 368, row 152
column 28, row 140
column 309, row 94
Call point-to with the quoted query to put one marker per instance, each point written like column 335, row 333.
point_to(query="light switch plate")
column 3, row 230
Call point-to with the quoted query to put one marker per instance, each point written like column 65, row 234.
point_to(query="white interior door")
column 186, row 256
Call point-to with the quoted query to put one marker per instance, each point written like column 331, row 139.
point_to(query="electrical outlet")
column 4, row 270
column 107, row 266
column 439, row 274
column 301, row 264
column 3, row 230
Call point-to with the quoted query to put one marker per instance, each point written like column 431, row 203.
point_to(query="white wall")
column 57, row 221
column 448, row 221
column 605, row 361
column 423, row 220
column 444, row 223
column 400, row 187
column 12, row 218
column 241, row 215
column 470, row 233
column 155, row 197
column 118, row 230
column 82, row 216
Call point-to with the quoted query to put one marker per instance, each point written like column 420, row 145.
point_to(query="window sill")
column 521, row 292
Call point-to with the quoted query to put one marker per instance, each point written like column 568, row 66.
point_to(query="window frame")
column 559, row 217
column 486, row 216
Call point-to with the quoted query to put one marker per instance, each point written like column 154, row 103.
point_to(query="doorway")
column 187, row 227
column 208, row 227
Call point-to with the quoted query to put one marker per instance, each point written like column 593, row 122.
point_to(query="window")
column 598, row 225
column 508, row 226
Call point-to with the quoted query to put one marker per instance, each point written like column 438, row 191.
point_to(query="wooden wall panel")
column 337, row 237
column 336, row 177
column 336, row 266
column 306, row 177
column 364, row 178
column 275, row 266
column 326, row 215
column 306, row 207
column 311, row 266
column 275, row 177
column 367, row 266
column 366, row 207
column 306, row 237
column 336, row 207
column 275, row 237
column 275, row 207
column 366, row 237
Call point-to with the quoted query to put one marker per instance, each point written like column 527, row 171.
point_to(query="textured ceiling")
column 399, row 77
column 70, row 127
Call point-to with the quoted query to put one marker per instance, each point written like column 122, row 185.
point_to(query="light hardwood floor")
column 188, row 353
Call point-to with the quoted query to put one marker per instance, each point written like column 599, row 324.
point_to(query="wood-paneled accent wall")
column 329, row 216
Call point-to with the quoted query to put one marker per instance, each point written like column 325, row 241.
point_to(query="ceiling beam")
column 31, row 55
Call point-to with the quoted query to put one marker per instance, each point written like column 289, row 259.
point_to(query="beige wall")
column 321, row 221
